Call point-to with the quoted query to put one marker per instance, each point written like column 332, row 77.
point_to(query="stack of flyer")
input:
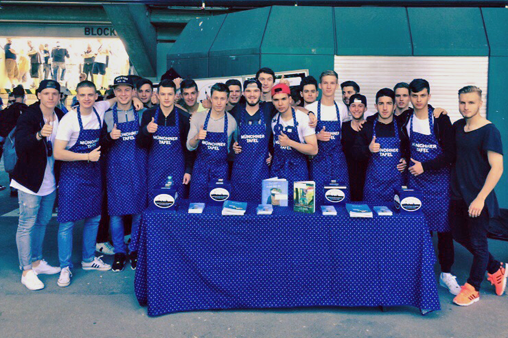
column 234, row 208
column 196, row 208
column 328, row 210
column 359, row 210
column 264, row 209
column 383, row 210
column 275, row 192
column 305, row 197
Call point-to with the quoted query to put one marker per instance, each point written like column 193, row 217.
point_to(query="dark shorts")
column 34, row 70
column 99, row 68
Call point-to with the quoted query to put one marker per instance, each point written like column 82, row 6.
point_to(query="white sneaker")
column 45, row 269
column 105, row 248
column 96, row 264
column 31, row 281
column 449, row 281
column 65, row 277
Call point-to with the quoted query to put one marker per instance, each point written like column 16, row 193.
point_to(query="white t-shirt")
column 69, row 126
column 303, row 124
column 48, row 183
column 419, row 126
column 329, row 113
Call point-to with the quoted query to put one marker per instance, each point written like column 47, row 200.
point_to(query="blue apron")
column 80, row 185
column 211, row 161
column 250, row 168
column 287, row 162
column 330, row 162
column 382, row 174
column 126, row 170
column 166, row 157
column 434, row 184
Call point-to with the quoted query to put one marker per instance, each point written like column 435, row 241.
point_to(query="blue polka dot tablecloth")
column 208, row 261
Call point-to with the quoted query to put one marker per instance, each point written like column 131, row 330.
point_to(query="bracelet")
column 39, row 135
column 88, row 157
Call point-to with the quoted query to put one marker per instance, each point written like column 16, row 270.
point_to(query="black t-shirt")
column 348, row 138
column 472, row 164
column 144, row 138
column 8, row 53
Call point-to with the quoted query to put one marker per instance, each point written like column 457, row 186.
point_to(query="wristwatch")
column 39, row 134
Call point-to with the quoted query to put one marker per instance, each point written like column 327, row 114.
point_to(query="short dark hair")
column 417, row 85
column 188, row 83
column 353, row 84
column 295, row 94
column 18, row 92
column 219, row 87
column 246, row 83
column 385, row 92
column 86, row 83
column 401, row 85
column 308, row 80
column 234, row 82
column 266, row 70
column 166, row 83
column 140, row 83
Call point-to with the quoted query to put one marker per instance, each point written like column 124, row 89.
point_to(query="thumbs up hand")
column 202, row 133
column 47, row 129
column 95, row 154
column 416, row 169
column 152, row 126
column 237, row 148
column 402, row 165
column 284, row 140
column 373, row 146
column 323, row 135
column 115, row 133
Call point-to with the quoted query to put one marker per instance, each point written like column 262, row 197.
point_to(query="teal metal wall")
column 288, row 38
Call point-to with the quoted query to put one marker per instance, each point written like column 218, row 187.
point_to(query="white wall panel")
column 446, row 76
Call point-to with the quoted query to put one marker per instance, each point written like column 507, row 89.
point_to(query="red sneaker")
column 498, row 279
column 467, row 296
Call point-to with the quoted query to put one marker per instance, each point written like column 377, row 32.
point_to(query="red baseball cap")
column 281, row 88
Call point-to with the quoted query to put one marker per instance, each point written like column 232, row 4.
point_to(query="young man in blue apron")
column 380, row 143
column 330, row 163
column 163, row 132
column 294, row 140
column 475, row 174
column 431, row 153
column 252, row 160
column 210, row 135
column 78, row 146
column 125, row 171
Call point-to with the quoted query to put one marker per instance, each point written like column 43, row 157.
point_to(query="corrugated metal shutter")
column 446, row 76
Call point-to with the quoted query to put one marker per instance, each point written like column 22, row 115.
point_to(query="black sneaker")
column 119, row 262
column 133, row 257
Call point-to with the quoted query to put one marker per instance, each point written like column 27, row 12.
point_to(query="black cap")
column 358, row 98
column 48, row 84
column 122, row 80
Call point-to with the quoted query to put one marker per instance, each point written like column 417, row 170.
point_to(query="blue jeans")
column 90, row 229
column 117, row 233
column 56, row 67
column 34, row 215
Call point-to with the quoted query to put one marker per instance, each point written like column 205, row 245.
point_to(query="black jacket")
column 9, row 117
column 32, row 154
column 443, row 129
